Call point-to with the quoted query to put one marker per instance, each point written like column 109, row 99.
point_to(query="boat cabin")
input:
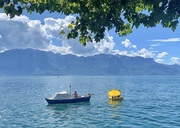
column 60, row 95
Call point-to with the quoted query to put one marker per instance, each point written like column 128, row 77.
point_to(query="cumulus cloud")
column 21, row 32
column 127, row 44
column 53, row 26
column 161, row 55
column 159, row 61
column 175, row 60
column 167, row 40
column 143, row 53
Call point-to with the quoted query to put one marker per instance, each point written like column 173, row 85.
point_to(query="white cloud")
column 21, row 32
column 127, row 44
column 175, row 60
column 53, row 26
column 161, row 55
column 124, row 53
column 159, row 61
column 167, row 40
column 143, row 53
column 155, row 45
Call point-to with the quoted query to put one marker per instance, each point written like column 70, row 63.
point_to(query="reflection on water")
column 114, row 102
column 59, row 107
column 64, row 107
column 66, row 114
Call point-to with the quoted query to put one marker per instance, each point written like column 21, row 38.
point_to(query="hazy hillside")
column 35, row 62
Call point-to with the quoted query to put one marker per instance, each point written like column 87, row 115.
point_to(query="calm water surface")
column 152, row 102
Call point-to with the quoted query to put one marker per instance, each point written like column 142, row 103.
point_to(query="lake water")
column 152, row 102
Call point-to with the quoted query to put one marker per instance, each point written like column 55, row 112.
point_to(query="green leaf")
column 82, row 40
column 62, row 32
column 138, row 9
column 70, row 26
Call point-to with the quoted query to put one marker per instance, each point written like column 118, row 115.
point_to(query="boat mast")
column 70, row 89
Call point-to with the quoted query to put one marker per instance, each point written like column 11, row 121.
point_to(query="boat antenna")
column 70, row 89
column 90, row 86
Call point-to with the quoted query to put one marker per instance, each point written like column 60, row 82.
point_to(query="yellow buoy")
column 115, row 94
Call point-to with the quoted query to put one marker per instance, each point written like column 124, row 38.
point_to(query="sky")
column 42, row 32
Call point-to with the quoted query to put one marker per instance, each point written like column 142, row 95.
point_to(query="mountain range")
column 36, row 62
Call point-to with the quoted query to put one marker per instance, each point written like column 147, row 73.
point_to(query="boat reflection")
column 59, row 107
column 114, row 102
column 63, row 107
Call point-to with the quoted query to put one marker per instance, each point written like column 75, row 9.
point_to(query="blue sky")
column 42, row 32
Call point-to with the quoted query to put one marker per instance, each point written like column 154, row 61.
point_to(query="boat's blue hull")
column 73, row 100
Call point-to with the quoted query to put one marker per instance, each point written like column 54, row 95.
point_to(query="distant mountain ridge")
column 35, row 62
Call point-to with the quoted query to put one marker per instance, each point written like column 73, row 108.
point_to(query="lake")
column 148, row 102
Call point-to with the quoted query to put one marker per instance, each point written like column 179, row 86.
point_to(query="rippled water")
column 148, row 102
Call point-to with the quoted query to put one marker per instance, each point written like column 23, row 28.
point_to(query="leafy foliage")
column 93, row 17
